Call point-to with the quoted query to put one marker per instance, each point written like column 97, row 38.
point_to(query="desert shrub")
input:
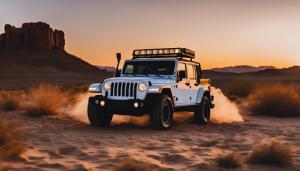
column 235, row 88
column 10, row 141
column 272, row 153
column 275, row 100
column 10, row 101
column 46, row 100
column 229, row 161
column 133, row 165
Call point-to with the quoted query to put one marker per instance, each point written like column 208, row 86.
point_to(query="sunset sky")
column 223, row 33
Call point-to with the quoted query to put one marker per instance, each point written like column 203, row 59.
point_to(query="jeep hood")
column 153, row 80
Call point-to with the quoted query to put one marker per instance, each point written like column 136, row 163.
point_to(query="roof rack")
column 164, row 52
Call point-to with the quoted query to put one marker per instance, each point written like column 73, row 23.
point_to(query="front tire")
column 97, row 116
column 202, row 112
column 161, row 117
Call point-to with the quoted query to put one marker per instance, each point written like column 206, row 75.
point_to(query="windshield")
column 149, row 67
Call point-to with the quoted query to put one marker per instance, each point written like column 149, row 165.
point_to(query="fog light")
column 102, row 103
column 136, row 104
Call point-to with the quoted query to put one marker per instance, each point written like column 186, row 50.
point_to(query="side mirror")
column 181, row 75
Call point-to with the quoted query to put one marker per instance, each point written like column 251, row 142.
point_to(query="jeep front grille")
column 123, row 89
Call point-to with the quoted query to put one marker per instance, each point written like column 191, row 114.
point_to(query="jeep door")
column 192, row 83
column 181, row 90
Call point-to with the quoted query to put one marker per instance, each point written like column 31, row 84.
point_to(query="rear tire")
column 202, row 112
column 97, row 116
column 161, row 117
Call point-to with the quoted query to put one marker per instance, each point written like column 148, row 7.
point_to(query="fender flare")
column 163, row 90
column 168, row 91
column 202, row 92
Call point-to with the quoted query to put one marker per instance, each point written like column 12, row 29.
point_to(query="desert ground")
column 68, row 142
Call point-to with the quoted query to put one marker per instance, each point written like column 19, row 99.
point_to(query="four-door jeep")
column 157, row 82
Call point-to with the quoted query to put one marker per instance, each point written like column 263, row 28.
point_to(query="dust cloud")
column 225, row 111
column 135, row 120
column 79, row 111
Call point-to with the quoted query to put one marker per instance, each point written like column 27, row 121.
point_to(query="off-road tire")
column 161, row 117
column 97, row 116
column 202, row 112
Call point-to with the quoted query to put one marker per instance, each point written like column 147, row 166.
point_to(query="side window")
column 181, row 69
column 191, row 72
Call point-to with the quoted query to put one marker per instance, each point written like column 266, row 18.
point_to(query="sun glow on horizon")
column 223, row 33
column 207, row 60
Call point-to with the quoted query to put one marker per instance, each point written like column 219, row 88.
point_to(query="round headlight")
column 142, row 87
column 106, row 86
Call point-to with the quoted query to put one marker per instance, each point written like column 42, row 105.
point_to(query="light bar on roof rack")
column 164, row 52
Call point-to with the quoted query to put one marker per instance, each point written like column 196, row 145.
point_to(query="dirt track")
column 65, row 144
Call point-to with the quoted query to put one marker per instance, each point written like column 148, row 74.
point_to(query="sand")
column 60, row 143
column 68, row 142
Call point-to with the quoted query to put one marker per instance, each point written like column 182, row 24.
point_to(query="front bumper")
column 133, row 107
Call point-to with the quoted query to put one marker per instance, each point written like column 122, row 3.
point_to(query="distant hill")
column 285, row 72
column 291, row 71
column 35, row 53
column 107, row 68
column 241, row 69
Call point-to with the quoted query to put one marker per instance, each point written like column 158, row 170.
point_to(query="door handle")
column 187, row 83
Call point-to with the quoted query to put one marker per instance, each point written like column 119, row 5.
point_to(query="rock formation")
column 38, row 36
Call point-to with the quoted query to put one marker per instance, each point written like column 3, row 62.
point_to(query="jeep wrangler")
column 157, row 82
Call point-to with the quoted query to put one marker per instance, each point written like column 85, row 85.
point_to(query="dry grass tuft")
column 10, row 141
column 229, row 161
column 10, row 101
column 133, row 165
column 238, row 88
column 273, row 153
column 46, row 100
column 275, row 100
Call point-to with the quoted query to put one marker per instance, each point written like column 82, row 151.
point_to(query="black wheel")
column 97, row 116
column 162, row 115
column 202, row 112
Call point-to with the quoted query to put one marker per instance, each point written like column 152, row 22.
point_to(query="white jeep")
column 157, row 82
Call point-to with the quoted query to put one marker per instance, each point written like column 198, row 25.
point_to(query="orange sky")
column 222, row 32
